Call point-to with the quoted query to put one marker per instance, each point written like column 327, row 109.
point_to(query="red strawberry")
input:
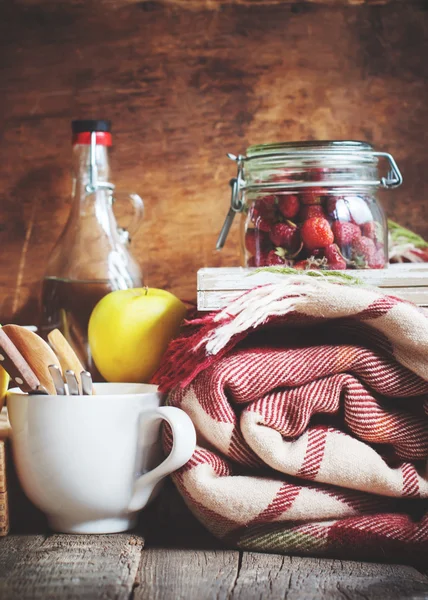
column 373, row 230
column 317, row 174
column 311, row 210
column 259, row 260
column 334, row 257
column 312, row 196
column 363, row 251
column 377, row 261
column 289, row 206
column 369, row 230
column 316, row 233
column 300, row 264
column 263, row 224
column 263, row 213
column 256, row 241
column 284, row 235
column 345, row 233
column 266, row 202
column 266, row 259
column 274, row 259
column 251, row 262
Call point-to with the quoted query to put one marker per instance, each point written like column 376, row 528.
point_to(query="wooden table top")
column 120, row 567
column 170, row 556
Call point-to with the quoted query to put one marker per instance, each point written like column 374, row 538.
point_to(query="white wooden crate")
column 217, row 286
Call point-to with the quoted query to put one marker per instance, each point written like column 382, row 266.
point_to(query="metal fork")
column 86, row 380
column 57, row 379
column 73, row 385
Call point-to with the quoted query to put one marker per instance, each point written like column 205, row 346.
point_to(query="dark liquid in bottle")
column 67, row 305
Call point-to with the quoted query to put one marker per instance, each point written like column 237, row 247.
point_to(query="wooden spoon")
column 66, row 355
column 36, row 352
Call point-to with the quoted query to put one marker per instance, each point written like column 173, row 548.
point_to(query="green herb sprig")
column 332, row 276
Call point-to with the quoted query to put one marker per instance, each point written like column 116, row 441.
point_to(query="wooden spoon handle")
column 36, row 352
column 19, row 370
column 66, row 355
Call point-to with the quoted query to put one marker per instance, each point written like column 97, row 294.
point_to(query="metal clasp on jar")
column 236, row 201
column 394, row 178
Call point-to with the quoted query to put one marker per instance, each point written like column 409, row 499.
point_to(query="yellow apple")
column 129, row 331
column 4, row 382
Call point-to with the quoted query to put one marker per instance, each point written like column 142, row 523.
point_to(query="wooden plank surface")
column 240, row 278
column 218, row 286
column 216, row 300
column 75, row 567
column 167, row 574
column 183, row 88
column 273, row 576
column 61, row 567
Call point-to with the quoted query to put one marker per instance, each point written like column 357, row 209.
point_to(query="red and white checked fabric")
column 310, row 401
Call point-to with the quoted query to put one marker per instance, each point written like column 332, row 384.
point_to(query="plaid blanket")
column 310, row 401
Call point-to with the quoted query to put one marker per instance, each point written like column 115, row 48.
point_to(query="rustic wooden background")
column 184, row 82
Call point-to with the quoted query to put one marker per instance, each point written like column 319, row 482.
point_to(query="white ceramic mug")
column 91, row 462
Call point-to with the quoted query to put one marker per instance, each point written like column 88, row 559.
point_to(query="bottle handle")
column 184, row 444
column 138, row 204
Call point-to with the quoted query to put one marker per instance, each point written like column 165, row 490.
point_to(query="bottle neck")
column 82, row 164
column 92, row 209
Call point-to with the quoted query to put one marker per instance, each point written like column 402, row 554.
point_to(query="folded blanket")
column 310, row 401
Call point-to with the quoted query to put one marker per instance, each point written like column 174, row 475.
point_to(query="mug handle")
column 184, row 444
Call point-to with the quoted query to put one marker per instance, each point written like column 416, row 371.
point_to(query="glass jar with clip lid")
column 312, row 205
column 91, row 257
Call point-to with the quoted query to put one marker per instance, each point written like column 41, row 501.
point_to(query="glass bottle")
column 312, row 205
column 91, row 257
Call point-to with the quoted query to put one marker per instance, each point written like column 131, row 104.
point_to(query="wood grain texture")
column 72, row 567
column 399, row 275
column 216, row 4
column 273, row 576
column 183, row 87
column 187, row 574
column 218, row 286
column 60, row 567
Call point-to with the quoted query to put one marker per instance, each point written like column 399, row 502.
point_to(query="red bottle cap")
column 82, row 129
column 84, row 137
